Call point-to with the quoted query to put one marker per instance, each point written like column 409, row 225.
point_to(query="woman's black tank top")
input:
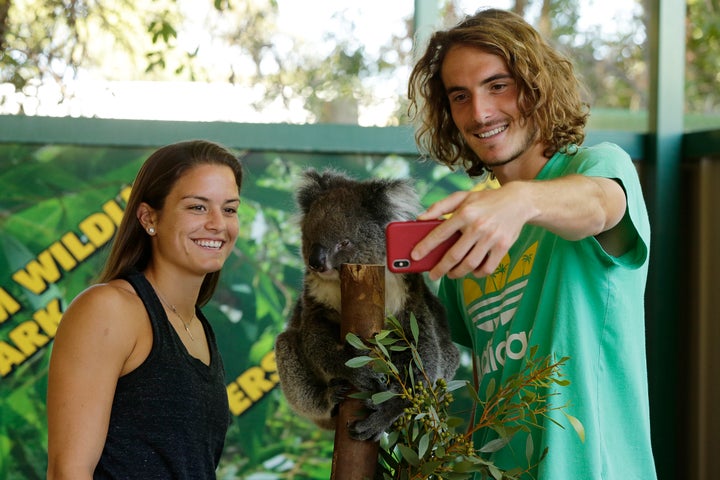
column 170, row 415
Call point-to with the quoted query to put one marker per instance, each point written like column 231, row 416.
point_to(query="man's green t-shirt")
column 570, row 299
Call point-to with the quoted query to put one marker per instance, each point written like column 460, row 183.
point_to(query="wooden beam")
column 362, row 290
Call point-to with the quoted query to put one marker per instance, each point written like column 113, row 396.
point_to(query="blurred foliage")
column 702, row 88
column 50, row 189
column 51, row 41
column 48, row 42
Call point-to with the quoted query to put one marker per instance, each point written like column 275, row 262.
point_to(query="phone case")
column 401, row 238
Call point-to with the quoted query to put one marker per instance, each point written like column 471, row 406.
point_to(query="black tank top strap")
column 152, row 303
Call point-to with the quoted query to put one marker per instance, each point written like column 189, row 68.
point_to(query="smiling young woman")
column 136, row 384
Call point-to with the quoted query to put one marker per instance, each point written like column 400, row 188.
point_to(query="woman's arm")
column 96, row 337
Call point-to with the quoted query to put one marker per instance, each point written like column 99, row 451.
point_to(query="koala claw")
column 367, row 429
column 339, row 389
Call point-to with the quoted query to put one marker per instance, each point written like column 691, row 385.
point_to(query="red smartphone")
column 401, row 238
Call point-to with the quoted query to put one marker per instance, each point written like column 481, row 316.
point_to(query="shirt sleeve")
column 610, row 161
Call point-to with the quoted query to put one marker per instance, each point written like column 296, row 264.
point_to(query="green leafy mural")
column 59, row 211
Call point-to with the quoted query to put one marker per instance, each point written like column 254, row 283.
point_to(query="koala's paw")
column 370, row 428
column 338, row 390
column 367, row 380
column 379, row 419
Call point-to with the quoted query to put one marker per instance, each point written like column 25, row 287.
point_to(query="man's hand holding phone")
column 401, row 238
column 488, row 222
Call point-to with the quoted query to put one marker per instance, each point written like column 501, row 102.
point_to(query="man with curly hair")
column 555, row 259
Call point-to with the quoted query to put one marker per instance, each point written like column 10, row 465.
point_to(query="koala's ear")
column 313, row 184
column 391, row 200
column 308, row 189
column 403, row 200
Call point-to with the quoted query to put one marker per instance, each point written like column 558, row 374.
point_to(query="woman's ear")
column 147, row 217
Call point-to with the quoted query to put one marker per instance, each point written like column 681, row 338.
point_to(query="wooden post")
column 362, row 290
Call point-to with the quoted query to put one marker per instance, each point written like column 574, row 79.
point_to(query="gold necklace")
column 174, row 310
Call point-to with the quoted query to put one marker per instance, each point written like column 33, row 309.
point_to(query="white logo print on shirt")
column 493, row 308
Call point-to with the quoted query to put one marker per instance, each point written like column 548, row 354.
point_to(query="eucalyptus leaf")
column 473, row 393
column 464, row 466
column 429, row 468
column 414, row 328
column 382, row 367
column 392, row 437
column 355, row 341
column 383, row 350
column 496, row 472
column 494, row 445
column 381, row 397
column 360, row 395
column 382, row 334
column 359, row 362
column 577, row 425
column 409, row 454
column 423, row 445
column 529, row 448
column 416, row 358
column 453, row 385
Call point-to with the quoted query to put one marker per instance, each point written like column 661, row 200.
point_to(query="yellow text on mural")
column 253, row 384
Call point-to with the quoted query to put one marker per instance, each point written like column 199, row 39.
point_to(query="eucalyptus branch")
column 519, row 398
column 424, row 443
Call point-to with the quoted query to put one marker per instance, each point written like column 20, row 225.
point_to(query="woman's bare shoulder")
column 113, row 305
column 115, row 293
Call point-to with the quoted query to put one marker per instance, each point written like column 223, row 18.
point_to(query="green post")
column 661, row 170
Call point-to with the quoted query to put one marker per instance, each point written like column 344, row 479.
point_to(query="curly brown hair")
column 549, row 93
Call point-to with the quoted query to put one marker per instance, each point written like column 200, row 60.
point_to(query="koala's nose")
column 318, row 258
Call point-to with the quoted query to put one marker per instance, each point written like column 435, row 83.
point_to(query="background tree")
column 46, row 43
column 49, row 43
column 702, row 87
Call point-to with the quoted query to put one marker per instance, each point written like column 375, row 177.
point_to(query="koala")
column 343, row 220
